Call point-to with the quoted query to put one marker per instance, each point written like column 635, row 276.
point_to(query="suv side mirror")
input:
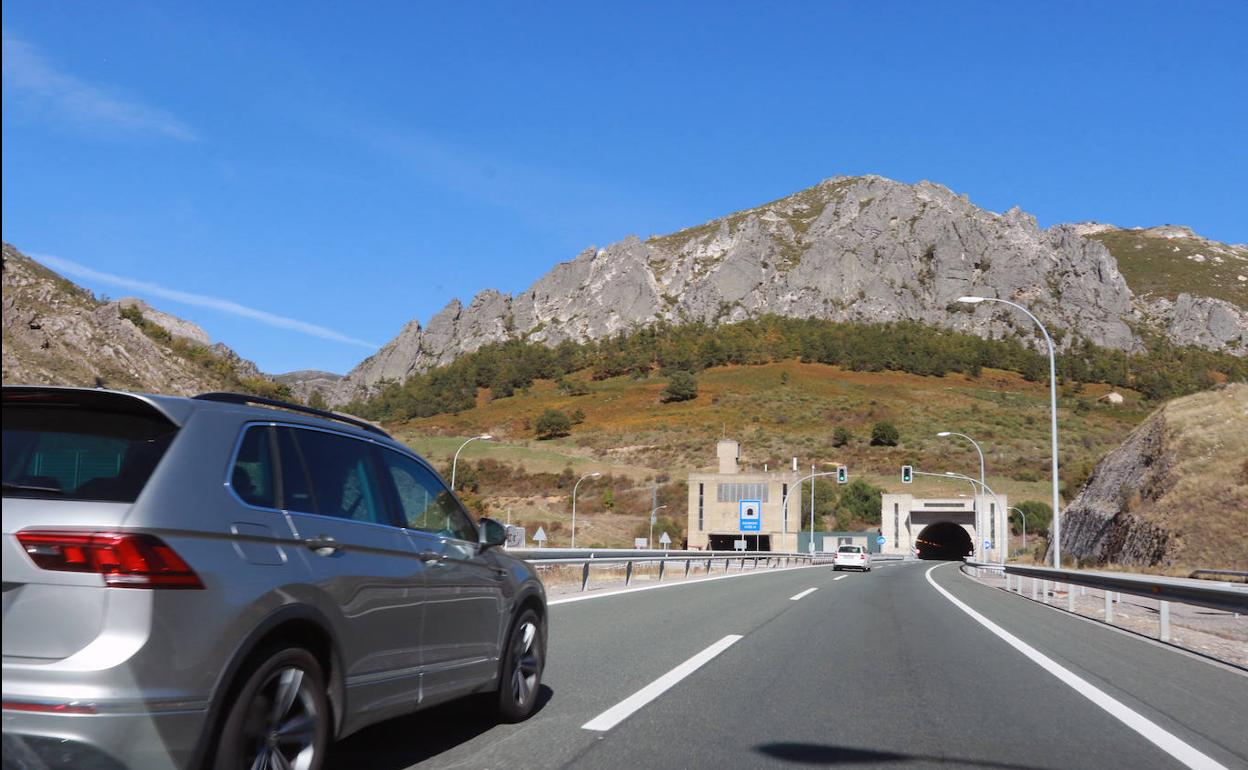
column 492, row 534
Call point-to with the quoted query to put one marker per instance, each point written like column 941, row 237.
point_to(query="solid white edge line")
column 674, row 583
column 840, row 577
column 807, row 592
column 625, row 708
column 1154, row 733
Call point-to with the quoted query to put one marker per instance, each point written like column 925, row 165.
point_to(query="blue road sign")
column 880, row 540
column 751, row 515
column 987, row 543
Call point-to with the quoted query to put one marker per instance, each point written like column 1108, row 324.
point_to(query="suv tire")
column 524, row 657
column 282, row 707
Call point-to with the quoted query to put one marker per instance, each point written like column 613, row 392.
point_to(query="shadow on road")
column 822, row 754
column 406, row 740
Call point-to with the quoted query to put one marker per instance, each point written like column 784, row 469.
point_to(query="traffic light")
column 907, row 474
column 842, row 474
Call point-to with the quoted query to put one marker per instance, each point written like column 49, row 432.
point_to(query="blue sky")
column 301, row 179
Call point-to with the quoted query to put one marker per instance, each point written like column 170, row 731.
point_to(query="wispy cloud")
column 69, row 267
column 29, row 75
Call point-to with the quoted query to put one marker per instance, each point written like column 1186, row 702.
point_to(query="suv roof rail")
column 244, row 398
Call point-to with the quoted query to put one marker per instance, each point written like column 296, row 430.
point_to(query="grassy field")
column 777, row 411
column 1166, row 267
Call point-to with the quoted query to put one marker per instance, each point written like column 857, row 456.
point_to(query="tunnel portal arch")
column 944, row 540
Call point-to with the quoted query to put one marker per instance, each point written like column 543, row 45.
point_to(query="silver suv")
column 205, row 582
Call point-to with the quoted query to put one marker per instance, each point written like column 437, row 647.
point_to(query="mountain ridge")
column 848, row 249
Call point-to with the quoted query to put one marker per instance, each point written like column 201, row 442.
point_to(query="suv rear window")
column 850, row 549
column 73, row 452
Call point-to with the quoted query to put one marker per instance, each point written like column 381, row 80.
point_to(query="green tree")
column 884, row 434
column 1039, row 516
column 681, row 386
column 841, row 437
column 317, row 400
column 608, row 499
column 553, row 423
column 861, row 500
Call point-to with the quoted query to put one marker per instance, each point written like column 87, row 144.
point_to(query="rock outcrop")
column 848, row 249
column 1175, row 494
column 57, row 333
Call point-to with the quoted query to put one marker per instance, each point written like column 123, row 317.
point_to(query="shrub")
column 553, row 423
column 681, row 386
column 1039, row 515
column 884, row 434
column 841, row 437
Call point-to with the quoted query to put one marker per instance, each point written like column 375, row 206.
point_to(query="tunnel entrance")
column 753, row 542
column 945, row 541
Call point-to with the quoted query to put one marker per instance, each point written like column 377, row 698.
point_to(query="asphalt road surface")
column 883, row 669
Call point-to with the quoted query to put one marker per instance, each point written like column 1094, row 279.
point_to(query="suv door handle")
column 323, row 545
column 432, row 558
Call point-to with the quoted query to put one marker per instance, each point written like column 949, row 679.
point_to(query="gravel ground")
column 1221, row 635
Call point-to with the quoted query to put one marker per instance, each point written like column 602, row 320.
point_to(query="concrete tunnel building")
column 939, row 528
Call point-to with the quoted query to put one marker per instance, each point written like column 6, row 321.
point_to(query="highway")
column 810, row 667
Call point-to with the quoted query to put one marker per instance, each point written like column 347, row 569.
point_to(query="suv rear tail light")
column 125, row 560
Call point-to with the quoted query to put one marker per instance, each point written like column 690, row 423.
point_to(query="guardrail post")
column 628, row 572
column 585, row 576
column 1035, row 585
column 1070, row 597
column 688, row 564
column 1109, row 607
column 1046, row 591
column 661, row 565
column 1163, row 611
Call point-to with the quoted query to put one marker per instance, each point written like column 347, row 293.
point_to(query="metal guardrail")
column 587, row 558
column 1219, row 574
column 1202, row 593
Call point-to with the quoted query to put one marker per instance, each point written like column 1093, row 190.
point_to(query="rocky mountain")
column 311, row 386
column 848, row 249
column 56, row 332
column 1174, row 495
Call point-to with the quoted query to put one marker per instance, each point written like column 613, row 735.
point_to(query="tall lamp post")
column 650, row 540
column 455, row 462
column 979, row 508
column 593, row 475
column 987, row 490
column 1023, row 517
column 1057, row 530
column 784, row 502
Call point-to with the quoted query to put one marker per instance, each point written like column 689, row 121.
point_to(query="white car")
column 851, row 557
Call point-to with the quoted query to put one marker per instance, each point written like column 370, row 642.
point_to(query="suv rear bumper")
column 103, row 741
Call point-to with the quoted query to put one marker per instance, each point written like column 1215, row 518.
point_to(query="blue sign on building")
column 751, row 515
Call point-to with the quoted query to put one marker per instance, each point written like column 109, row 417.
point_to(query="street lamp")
column 650, row 540
column 784, row 502
column 1023, row 517
column 987, row 490
column 1057, row 531
column 944, row 433
column 593, row 475
column 455, row 462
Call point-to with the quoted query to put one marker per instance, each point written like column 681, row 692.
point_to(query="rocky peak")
column 848, row 249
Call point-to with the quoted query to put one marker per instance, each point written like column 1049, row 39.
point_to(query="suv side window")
column 427, row 505
column 252, row 474
column 330, row 475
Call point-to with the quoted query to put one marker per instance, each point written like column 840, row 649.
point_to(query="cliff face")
column 1175, row 494
column 848, row 249
column 57, row 333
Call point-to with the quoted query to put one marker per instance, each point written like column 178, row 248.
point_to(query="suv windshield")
column 73, row 452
